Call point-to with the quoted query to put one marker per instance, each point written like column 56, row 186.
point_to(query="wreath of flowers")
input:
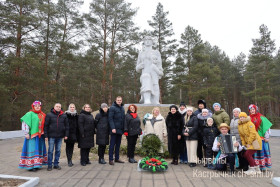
column 153, row 164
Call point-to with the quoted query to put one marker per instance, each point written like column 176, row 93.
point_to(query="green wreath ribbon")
column 153, row 164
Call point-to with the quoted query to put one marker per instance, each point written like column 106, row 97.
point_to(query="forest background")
column 50, row 50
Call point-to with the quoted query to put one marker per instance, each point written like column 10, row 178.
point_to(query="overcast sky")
column 229, row 24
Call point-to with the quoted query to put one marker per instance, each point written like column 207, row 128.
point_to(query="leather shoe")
column 111, row 162
column 49, row 168
column 119, row 161
column 132, row 160
column 192, row 164
column 83, row 164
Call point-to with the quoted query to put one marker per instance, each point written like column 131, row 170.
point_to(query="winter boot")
column 251, row 171
column 257, row 169
column 70, row 163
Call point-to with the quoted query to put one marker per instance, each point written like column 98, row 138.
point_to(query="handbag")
column 256, row 144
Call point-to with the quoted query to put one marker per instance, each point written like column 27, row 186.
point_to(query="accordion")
column 227, row 141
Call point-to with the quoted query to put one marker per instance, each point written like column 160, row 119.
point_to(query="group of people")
column 193, row 136
column 203, row 131
column 109, row 125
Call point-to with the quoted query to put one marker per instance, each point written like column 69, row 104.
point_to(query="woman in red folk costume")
column 262, row 124
column 34, row 153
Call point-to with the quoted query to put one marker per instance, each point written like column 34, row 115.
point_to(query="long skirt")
column 263, row 157
column 34, row 153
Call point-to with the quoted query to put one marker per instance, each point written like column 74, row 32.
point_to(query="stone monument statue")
column 150, row 65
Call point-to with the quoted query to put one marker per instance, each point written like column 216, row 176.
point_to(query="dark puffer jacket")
column 56, row 125
column 175, row 124
column 102, row 128
column 209, row 135
column 191, row 127
column 73, row 127
column 86, row 130
column 116, row 118
column 132, row 125
column 202, row 123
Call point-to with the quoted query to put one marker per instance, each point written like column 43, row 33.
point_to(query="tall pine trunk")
column 47, row 52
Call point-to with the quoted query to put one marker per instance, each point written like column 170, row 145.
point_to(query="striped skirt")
column 34, row 153
column 263, row 157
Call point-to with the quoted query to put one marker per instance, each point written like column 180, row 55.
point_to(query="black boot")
column 70, row 164
column 102, row 161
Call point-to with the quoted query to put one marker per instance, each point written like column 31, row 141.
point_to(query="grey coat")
column 234, row 128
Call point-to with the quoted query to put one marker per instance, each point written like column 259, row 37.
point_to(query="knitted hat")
column 236, row 109
column 189, row 108
column 182, row 104
column 243, row 114
column 216, row 104
column 224, row 125
column 104, row 105
column 204, row 110
column 208, row 119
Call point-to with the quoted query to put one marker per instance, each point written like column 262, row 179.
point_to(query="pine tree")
column 259, row 70
column 185, row 56
column 112, row 31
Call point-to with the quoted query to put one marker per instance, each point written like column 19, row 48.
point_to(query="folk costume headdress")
column 255, row 118
column 35, row 120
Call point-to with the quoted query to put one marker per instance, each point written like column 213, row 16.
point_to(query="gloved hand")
column 125, row 133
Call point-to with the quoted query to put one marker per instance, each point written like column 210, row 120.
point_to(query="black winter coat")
column 102, row 128
column 191, row 127
column 86, row 130
column 132, row 125
column 73, row 127
column 116, row 118
column 209, row 135
column 56, row 125
column 175, row 124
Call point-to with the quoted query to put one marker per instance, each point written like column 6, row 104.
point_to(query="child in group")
column 209, row 134
column 221, row 159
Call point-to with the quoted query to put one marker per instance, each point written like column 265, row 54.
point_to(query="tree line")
column 52, row 51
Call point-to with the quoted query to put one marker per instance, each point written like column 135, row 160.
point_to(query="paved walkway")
column 127, row 174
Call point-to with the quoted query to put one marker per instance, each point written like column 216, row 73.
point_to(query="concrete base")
column 275, row 132
column 148, row 105
column 31, row 181
column 11, row 134
column 276, row 181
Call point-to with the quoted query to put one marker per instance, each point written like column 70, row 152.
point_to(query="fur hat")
column 243, row 114
column 224, row 125
column 104, row 105
column 173, row 106
column 182, row 104
column 201, row 101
